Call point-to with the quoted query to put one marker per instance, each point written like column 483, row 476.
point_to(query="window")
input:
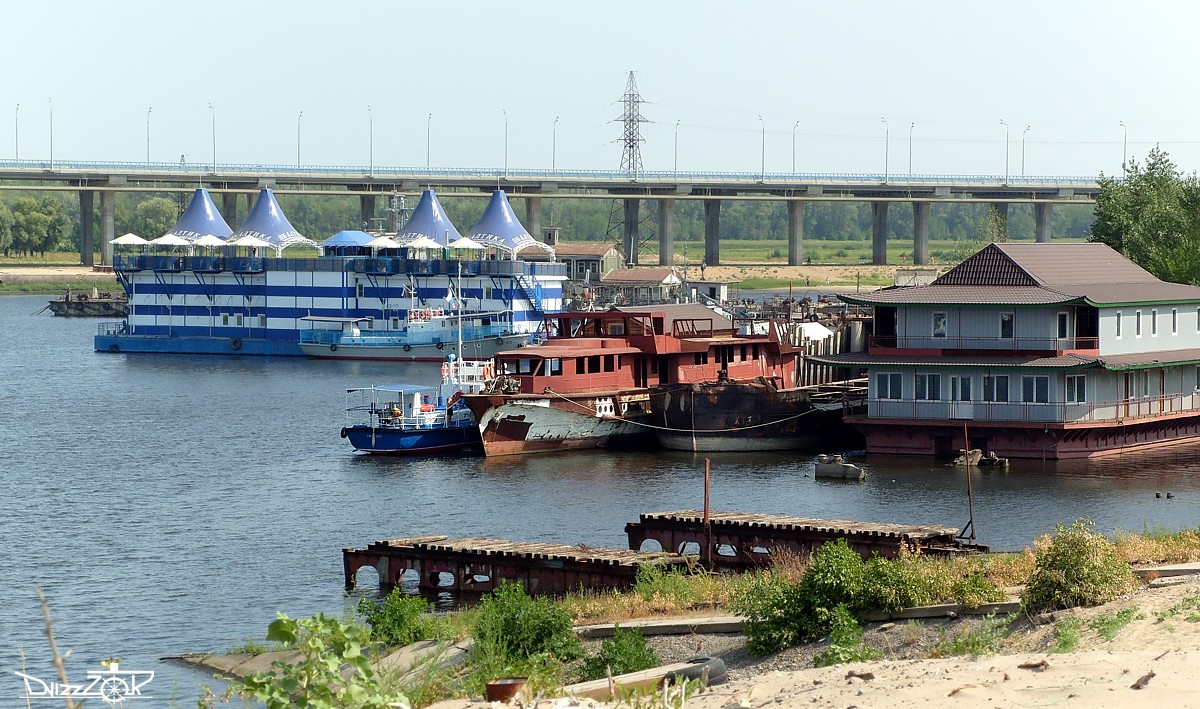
column 262, row 320
column 928, row 387
column 1064, row 325
column 1076, row 388
column 359, row 290
column 1006, row 325
column 960, row 389
column 1174, row 321
column 610, row 363
column 1154, row 323
column 996, row 388
column 487, row 292
column 395, row 323
column 553, row 367
column 887, row 385
column 939, row 324
column 240, row 319
column 1035, row 390
column 1137, row 323
column 1119, row 322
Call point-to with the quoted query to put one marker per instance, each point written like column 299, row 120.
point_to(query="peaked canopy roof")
column 348, row 237
column 428, row 219
column 1039, row 274
column 200, row 218
column 499, row 227
column 267, row 222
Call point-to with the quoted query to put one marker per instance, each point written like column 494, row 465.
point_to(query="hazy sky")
column 823, row 73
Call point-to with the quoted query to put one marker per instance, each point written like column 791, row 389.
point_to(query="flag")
column 449, row 298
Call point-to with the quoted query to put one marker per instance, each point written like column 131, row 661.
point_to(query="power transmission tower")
column 631, row 216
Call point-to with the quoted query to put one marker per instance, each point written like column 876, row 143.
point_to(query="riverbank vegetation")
column 795, row 601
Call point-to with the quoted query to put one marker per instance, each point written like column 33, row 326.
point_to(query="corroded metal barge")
column 479, row 564
column 738, row 539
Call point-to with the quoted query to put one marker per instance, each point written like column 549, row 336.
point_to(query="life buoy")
column 499, row 340
column 114, row 347
column 236, row 343
column 408, row 348
column 333, row 348
column 441, row 345
column 445, row 370
column 488, row 371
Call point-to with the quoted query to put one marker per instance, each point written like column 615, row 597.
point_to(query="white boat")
column 429, row 335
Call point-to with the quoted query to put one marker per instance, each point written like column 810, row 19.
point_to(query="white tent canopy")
column 170, row 240
column 249, row 240
column 382, row 242
column 129, row 239
column 211, row 240
column 466, row 242
column 422, row 242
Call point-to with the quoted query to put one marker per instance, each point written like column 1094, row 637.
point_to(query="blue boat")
column 413, row 419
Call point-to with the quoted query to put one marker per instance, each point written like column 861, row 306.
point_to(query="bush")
column 835, row 576
column 1076, row 567
column 399, row 620
column 773, row 609
column 974, row 590
column 512, row 626
column 656, row 583
column 845, row 642
column 892, row 584
column 625, row 651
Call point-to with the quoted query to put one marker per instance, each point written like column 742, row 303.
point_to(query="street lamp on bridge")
column 1124, row 149
column 910, row 130
column 1005, row 150
column 148, row 110
column 428, row 131
column 886, row 139
column 51, row 100
column 794, row 127
column 554, row 145
column 370, row 141
column 763, row 177
column 1023, row 149
column 298, row 117
column 17, row 133
column 676, row 147
column 214, row 136
column 505, row 112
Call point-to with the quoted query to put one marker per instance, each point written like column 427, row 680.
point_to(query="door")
column 962, row 405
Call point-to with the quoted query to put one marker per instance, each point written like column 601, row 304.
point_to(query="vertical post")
column 666, row 232
column 148, row 110
column 87, row 228
column 366, row 209
column 712, row 232
column 706, row 554
column 298, row 117
column 533, row 216
column 229, row 207
column 1041, row 213
column 795, row 233
column 921, row 233
column 630, row 238
column 428, row 133
column 214, row 136
column 554, row 146
column 107, row 226
column 879, row 232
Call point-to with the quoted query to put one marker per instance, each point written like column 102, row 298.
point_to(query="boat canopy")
column 267, row 222
column 348, row 237
column 397, row 388
column 428, row 219
column 201, row 218
column 499, row 227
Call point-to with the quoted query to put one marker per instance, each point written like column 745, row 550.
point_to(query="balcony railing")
column 1011, row 344
column 1145, row 407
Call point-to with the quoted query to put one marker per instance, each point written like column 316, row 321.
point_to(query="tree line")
column 32, row 222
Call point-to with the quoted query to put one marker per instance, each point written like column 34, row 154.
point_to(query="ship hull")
column 426, row 352
column 415, row 441
column 532, row 424
column 747, row 416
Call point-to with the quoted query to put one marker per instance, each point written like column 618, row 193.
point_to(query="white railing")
column 1146, row 407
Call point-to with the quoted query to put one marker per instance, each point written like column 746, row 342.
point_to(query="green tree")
column 1151, row 217
column 153, row 217
column 6, row 225
column 30, row 225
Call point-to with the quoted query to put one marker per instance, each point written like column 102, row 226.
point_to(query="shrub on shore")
column 1077, row 566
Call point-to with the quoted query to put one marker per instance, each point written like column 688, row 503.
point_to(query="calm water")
column 168, row 504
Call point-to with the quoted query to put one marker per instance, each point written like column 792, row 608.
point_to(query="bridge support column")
column 921, row 233
column 366, row 210
column 1001, row 209
column 87, row 226
column 533, row 217
column 251, row 198
column 795, row 233
column 108, row 226
column 229, row 209
column 630, row 239
column 1041, row 219
column 879, row 232
column 666, row 232
column 712, row 232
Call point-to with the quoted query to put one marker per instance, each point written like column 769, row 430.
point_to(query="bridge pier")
column 921, row 233
column 879, row 232
column 630, row 238
column 666, row 232
column 87, row 222
column 366, row 210
column 108, row 226
column 712, row 232
column 1041, row 215
column 1002, row 209
column 533, row 217
column 229, row 208
column 251, row 199
column 795, row 233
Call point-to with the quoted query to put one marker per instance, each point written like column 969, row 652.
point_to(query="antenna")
column 626, row 217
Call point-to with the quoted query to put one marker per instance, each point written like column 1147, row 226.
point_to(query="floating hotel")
column 245, row 297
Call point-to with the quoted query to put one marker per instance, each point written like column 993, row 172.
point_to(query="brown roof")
column 1039, row 274
column 862, row 359
column 1151, row 359
column 674, row 312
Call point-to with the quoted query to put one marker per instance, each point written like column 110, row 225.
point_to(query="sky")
column 842, row 87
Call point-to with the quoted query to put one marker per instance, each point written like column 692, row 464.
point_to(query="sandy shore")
column 53, row 274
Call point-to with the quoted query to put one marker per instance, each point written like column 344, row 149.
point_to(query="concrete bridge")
column 713, row 188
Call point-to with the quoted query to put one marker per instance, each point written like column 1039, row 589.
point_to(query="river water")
column 169, row 504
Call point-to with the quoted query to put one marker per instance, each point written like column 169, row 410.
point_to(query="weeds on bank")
column 1108, row 626
column 845, row 642
column 987, row 639
column 1066, row 636
column 1189, row 606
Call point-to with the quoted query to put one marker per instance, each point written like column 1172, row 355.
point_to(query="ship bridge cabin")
column 649, row 346
column 1032, row 350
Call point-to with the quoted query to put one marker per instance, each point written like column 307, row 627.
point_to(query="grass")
column 987, row 639
column 1109, row 626
column 1066, row 636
